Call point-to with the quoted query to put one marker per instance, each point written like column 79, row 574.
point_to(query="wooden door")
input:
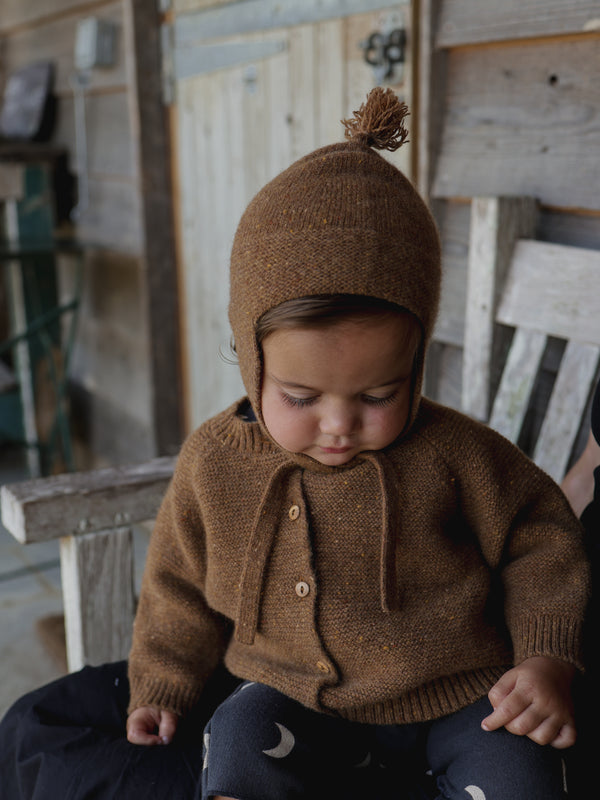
column 257, row 85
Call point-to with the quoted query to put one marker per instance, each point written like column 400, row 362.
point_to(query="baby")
column 395, row 584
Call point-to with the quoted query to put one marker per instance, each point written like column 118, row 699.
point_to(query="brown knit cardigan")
column 396, row 589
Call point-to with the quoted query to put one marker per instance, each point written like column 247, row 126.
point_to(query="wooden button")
column 294, row 512
column 323, row 667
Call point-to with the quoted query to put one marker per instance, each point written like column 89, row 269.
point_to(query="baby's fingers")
column 566, row 737
column 167, row 727
column 505, row 711
column 141, row 726
column 150, row 726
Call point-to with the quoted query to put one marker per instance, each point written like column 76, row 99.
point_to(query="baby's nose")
column 339, row 419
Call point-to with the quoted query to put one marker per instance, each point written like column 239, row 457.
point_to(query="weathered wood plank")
column 243, row 17
column 453, row 221
column 280, row 122
column 567, row 403
column 303, row 80
column 568, row 276
column 472, row 21
column 518, row 378
column 331, row 92
column 98, row 597
column 531, row 127
column 210, row 109
column 359, row 75
column 496, row 224
column 82, row 502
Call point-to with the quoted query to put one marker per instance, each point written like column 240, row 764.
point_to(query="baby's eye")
column 380, row 401
column 297, row 402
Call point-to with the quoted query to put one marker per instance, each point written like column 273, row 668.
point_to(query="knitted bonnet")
column 341, row 220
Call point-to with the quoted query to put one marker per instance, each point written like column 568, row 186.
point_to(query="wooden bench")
column 92, row 513
column 515, row 283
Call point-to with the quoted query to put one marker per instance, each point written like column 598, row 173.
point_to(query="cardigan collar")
column 265, row 526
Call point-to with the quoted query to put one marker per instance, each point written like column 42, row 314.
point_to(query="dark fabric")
column 581, row 760
column 66, row 741
column 261, row 745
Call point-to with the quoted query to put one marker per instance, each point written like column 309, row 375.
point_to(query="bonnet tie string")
column 390, row 505
column 259, row 548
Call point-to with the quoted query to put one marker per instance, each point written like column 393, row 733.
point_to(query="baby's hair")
column 323, row 311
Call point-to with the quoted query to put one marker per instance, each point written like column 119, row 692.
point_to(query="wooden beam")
column 430, row 89
column 82, row 502
column 475, row 22
column 158, row 226
column 522, row 119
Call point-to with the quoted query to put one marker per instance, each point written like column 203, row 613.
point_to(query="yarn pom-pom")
column 379, row 121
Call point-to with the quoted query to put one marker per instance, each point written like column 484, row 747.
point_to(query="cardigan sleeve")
column 178, row 641
column 533, row 542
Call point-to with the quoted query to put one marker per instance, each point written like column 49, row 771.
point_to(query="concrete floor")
column 30, row 594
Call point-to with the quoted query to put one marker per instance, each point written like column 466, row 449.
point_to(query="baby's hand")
column 534, row 700
column 150, row 725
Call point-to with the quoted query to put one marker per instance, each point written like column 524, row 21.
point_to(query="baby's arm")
column 534, row 699
column 151, row 725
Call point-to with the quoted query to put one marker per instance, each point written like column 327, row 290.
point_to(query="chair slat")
column 516, row 384
column 98, row 595
column 567, row 403
column 553, row 288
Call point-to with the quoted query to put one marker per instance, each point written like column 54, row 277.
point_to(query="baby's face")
column 334, row 392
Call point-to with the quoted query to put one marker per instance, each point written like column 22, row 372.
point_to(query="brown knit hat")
column 341, row 220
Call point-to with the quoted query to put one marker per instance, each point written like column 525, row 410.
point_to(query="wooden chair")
column 92, row 513
column 521, row 295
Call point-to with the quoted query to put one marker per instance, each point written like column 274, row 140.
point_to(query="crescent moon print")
column 475, row 792
column 285, row 746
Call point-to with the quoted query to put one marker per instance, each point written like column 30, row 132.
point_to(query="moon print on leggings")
column 285, row 746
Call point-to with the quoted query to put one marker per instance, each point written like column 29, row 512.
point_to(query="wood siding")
column 509, row 106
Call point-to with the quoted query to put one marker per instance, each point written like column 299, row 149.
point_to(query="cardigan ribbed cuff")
column 161, row 693
column 547, row 635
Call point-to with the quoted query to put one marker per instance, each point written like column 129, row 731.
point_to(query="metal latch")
column 383, row 51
